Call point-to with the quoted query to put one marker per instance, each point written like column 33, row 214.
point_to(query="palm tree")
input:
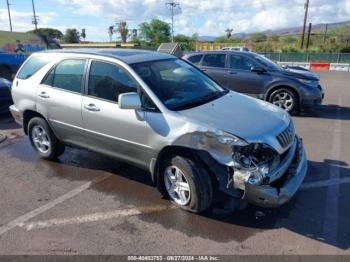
column 229, row 33
column 110, row 32
column 123, row 31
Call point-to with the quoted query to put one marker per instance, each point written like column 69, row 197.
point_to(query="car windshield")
column 267, row 62
column 177, row 84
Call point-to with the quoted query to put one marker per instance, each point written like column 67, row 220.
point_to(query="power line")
column 172, row 5
column 306, row 7
column 35, row 18
column 8, row 10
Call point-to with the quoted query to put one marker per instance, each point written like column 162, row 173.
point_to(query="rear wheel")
column 285, row 99
column 187, row 183
column 43, row 139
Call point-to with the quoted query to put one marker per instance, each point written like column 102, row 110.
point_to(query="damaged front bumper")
column 283, row 189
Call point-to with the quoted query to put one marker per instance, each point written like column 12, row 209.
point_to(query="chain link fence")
column 309, row 57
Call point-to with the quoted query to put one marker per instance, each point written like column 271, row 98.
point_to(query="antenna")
column 172, row 5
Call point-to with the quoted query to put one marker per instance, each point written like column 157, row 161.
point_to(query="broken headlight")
column 253, row 163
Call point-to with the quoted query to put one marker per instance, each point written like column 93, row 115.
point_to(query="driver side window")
column 241, row 63
column 107, row 81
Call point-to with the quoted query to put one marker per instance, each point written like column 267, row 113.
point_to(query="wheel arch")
column 174, row 150
column 27, row 116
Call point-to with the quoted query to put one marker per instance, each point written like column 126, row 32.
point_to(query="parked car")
column 164, row 115
column 257, row 76
column 236, row 48
column 5, row 95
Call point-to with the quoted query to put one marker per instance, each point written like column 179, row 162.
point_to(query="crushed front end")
column 263, row 176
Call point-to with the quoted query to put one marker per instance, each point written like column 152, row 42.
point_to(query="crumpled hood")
column 246, row 117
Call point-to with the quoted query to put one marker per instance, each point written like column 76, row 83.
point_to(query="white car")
column 236, row 48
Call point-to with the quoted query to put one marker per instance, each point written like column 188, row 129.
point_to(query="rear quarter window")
column 195, row 59
column 33, row 65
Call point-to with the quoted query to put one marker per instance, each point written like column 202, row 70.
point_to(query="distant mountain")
column 282, row 31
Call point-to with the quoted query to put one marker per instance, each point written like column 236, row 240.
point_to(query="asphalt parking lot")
column 86, row 203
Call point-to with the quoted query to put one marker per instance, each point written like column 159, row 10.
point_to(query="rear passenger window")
column 108, row 81
column 67, row 75
column 195, row 59
column 214, row 60
column 33, row 65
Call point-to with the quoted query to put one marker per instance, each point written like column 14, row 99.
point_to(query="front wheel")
column 187, row 183
column 285, row 99
column 43, row 139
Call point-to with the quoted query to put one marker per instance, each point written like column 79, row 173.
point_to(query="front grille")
column 287, row 136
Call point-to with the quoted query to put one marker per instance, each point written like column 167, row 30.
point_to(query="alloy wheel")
column 177, row 185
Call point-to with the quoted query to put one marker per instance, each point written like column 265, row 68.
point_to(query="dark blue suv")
column 257, row 76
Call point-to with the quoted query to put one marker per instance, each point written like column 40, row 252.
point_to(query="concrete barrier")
column 339, row 67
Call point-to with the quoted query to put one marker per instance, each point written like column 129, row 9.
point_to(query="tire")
column 285, row 99
column 44, row 140
column 200, row 194
column 5, row 72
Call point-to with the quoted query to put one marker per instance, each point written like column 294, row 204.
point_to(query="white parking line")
column 22, row 219
column 94, row 217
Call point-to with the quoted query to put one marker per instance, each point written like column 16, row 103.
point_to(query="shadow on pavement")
column 327, row 112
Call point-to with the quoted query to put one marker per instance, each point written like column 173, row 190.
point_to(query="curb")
column 2, row 138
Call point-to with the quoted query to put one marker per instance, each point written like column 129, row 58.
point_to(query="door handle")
column 44, row 95
column 232, row 73
column 91, row 107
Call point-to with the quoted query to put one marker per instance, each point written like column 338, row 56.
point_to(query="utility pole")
column 8, row 10
column 172, row 5
column 306, row 7
column 35, row 21
column 308, row 36
column 325, row 35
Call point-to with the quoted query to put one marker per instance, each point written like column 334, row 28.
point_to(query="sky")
column 205, row 17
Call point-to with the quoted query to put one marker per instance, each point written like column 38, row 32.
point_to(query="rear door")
column 214, row 64
column 242, row 79
column 118, row 132
column 60, row 99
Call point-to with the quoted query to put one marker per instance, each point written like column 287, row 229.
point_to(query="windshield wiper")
column 204, row 99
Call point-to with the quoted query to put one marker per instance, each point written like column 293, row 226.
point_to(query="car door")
column 214, row 64
column 117, row 132
column 241, row 79
column 60, row 98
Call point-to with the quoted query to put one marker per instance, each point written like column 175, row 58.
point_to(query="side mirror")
column 258, row 70
column 129, row 101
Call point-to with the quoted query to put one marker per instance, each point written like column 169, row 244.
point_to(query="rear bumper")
column 16, row 114
column 282, row 190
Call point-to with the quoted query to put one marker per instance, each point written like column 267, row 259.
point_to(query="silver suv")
column 197, row 139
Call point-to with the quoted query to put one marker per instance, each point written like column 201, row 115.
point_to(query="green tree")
column 50, row 32
column 155, row 32
column 274, row 38
column 187, row 42
column 71, row 36
column 258, row 37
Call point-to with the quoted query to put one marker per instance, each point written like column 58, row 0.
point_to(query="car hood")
column 300, row 74
column 243, row 116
